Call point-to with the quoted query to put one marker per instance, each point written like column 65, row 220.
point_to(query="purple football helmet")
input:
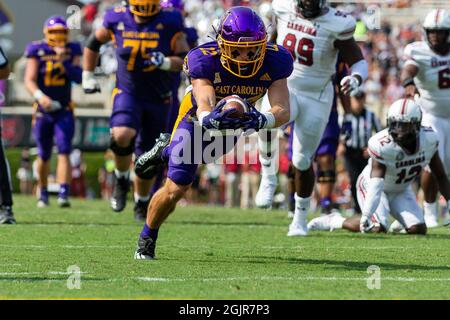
column 310, row 8
column 242, row 40
column 177, row 4
column 56, row 31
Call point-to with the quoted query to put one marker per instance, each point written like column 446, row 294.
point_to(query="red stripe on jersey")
column 375, row 154
column 352, row 30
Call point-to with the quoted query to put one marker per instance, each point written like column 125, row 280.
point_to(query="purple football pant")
column 59, row 125
column 330, row 138
column 190, row 146
column 147, row 118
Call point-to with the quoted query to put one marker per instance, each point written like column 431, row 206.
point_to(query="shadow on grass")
column 224, row 223
column 80, row 223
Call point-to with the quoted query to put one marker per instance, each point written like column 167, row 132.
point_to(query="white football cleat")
column 397, row 227
column 42, row 204
column 431, row 220
column 327, row 222
column 298, row 226
column 266, row 191
column 430, row 214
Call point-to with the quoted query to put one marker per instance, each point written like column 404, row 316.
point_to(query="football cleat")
column 140, row 210
column 119, row 197
column 6, row 215
column 146, row 249
column 63, row 202
column 397, row 227
column 298, row 226
column 431, row 219
column 327, row 222
column 266, row 191
column 290, row 214
column 42, row 203
column 147, row 165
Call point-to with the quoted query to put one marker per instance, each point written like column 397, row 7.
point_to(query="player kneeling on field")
column 397, row 156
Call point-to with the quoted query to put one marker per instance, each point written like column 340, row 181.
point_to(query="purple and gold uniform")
column 204, row 62
column 143, row 94
column 55, row 79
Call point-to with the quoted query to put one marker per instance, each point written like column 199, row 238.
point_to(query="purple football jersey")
column 135, row 42
column 53, row 78
column 204, row 62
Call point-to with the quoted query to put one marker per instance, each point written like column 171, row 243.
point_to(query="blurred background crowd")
column 384, row 28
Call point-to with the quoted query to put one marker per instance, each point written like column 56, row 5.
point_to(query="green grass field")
column 210, row 253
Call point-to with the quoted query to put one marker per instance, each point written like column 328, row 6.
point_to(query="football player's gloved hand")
column 365, row 224
column 255, row 119
column 157, row 59
column 89, row 83
column 218, row 119
column 350, row 85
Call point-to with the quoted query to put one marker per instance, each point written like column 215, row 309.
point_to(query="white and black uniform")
column 5, row 174
column 433, row 83
column 311, row 43
column 398, row 198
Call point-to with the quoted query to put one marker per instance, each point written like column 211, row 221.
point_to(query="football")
column 238, row 104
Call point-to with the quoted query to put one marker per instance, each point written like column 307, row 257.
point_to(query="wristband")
column 38, row 94
column 202, row 115
column 166, row 65
column 270, row 120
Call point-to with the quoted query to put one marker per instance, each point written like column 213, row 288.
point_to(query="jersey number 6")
column 305, row 49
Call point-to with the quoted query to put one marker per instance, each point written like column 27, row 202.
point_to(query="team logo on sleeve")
column 159, row 26
column 120, row 26
column 217, row 78
column 400, row 156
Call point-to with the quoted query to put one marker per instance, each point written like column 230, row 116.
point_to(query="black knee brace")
column 122, row 151
column 328, row 176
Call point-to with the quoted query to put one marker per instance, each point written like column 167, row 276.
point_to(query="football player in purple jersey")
column 150, row 46
column 52, row 65
column 240, row 61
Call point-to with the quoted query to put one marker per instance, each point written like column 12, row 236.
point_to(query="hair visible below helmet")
column 437, row 19
column 310, row 8
column 144, row 8
column 56, row 31
column 403, row 120
column 241, row 29
column 177, row 4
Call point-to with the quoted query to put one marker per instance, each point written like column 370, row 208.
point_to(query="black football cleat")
column 6, row 215
column 147, row 165
column 119, row 197
column 145, row 250
column 140, row 210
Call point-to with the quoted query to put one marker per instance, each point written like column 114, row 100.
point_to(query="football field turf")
column 210, row 253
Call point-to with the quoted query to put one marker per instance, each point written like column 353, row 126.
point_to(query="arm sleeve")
column 373, row 196
column 346, row 28
column 374, row 150
column 30, row 51
column 197, row 64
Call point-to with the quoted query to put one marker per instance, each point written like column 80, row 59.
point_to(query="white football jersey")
column 433, row 79
column 401, row 168
column 311, row 43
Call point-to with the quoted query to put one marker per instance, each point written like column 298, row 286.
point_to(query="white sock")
column 141, row 198
column 122, row 174
column 301, row 208
column 430, row 208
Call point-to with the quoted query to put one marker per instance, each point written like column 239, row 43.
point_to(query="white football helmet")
column 437, row 19
column 403, row 120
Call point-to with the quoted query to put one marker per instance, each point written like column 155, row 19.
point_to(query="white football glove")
column 89, row 83
column 350, row 85
column 157, row 58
